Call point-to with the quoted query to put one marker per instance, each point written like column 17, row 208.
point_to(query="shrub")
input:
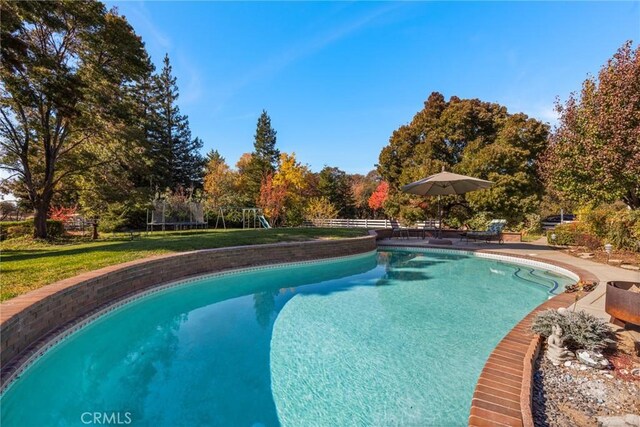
column 320, row 208
column 111, row 223
column 55, row 228
column 624, row 230
column 567, row 234
column 596, row 220
column 120, row 216
column 294, row 217
column 581, row 330
column 587, row 240
column 479, row 221
column 615, row 224
column 454, row 223
column 13, row 229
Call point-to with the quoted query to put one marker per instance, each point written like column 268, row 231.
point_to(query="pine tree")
column 264, row 159
column 265, row 144
column 176, row 157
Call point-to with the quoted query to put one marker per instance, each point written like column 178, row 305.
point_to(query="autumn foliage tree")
column 594, row 154
column 362, row 187
column 219, row 181
column 379, row 196
column 296, row 179
column 283, row 194
column 272, row 199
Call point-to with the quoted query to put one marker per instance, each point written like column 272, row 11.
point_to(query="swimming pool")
column 393, row 338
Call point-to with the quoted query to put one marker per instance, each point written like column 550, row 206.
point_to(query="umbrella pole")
column 439, row 220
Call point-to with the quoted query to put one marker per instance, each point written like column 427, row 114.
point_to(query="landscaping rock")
column 615, row 261
column 592, row 359
column 630, row 267
column 568, row 396
column 630, row 420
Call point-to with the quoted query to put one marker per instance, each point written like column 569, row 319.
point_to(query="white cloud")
column 549, row 114
column 158, row 43
column 191, row 87
column 158, row 40
column 545, row 113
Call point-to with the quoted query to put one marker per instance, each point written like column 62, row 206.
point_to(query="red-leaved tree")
column 379, row 196
column 60, row 213
column 272, row 199
column 594, row 154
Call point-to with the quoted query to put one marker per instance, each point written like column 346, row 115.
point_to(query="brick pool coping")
column 31, row 323
column 502, row 396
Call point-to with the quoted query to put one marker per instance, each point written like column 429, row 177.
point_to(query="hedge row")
column 575, row 234
column 565, row 235
column 12, row 229
column 620, row 228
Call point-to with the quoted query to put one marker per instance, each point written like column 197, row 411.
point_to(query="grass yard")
column 26, row 265
column 531, row 237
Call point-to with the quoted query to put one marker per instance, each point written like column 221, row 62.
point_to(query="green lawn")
column 531, row 237
column 26, row 265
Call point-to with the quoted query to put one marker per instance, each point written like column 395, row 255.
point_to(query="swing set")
column 252, row 218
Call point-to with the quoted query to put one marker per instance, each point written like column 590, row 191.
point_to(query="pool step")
column 528, row 275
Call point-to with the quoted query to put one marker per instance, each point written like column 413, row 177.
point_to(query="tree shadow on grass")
column 168, row 243
column 23, row 255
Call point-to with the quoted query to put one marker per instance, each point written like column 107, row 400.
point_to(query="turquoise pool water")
column 394, row 338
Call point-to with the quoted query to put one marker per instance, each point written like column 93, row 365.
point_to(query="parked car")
column 553, row 220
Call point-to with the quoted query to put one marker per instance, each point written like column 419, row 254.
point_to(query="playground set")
column 191, row 215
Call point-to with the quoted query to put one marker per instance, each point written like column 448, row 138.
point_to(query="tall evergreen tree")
column 176, row 157
column 264, row 159
column 145, row 104
column 264, row 147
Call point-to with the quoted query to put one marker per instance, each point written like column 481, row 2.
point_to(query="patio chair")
column 424, row 229
column 398, row 231
column 493, row 232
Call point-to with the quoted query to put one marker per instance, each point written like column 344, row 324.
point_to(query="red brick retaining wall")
column 28, row 321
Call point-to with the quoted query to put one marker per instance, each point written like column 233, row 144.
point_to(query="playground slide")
column 263, row 221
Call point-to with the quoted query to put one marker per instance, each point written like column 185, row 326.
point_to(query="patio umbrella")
column 445, row 183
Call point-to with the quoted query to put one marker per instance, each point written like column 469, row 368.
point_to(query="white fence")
column 369, row 223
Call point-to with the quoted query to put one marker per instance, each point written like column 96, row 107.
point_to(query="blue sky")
column 338, row 77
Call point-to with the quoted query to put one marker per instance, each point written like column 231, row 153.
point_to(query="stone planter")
column 623, row 304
